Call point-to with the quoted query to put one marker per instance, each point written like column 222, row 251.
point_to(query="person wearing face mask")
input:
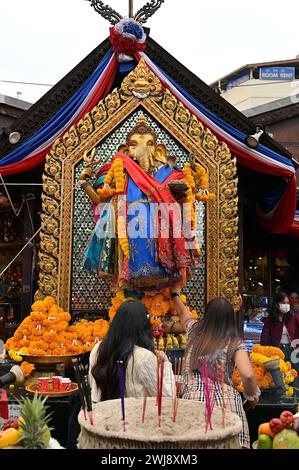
column 281, row 328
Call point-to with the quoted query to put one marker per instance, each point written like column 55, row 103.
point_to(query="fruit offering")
column 280, row 433
column 30, row 430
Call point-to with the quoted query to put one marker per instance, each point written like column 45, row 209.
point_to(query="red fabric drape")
column 283, row 217
column 172, row 252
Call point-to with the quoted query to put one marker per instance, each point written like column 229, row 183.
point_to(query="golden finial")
column 141, row 119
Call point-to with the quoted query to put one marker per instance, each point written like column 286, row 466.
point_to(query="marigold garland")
column 116, row 175
column 158, row 306
column 46, row 331
column 27, row 368
column 190, row 194
column 268, row 351
column 197, row 174
column 259, row 356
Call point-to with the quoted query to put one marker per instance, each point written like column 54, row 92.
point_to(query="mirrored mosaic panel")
column 90, row 293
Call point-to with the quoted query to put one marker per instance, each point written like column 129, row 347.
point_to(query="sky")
column 42, row 40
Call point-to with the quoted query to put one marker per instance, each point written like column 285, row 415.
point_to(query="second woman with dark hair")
column 213, row 349
column 130, row 340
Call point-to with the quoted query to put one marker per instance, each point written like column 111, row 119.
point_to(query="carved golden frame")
column 141, row 88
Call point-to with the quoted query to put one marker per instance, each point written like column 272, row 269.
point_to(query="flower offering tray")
column 49, row 359
column 33, row 388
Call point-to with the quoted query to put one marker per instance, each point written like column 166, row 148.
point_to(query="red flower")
column 121, row 44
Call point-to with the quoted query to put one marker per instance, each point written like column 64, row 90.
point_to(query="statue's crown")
column 142, row 127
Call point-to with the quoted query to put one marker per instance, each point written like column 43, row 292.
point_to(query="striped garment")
column 193, row 389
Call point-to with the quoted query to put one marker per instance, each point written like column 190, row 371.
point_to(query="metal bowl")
column 49, row 359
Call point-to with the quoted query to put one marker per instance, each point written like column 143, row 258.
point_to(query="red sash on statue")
column 172, row 252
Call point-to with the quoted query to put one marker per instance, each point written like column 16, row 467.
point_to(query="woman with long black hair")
column 214, row 348
column 130, row 340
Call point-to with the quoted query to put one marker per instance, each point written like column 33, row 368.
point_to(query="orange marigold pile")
column 46, row 331
column 158, row 306
column 259, row 356
column 27, row 368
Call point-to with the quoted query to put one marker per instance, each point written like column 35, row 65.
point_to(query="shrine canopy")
column 117, row 56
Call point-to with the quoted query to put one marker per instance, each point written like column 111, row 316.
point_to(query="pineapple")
column 33, row 423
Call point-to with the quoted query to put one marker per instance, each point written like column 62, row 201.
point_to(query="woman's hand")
column 162, row 357
column 250, row 405
column 182, row 311
column 176, row 288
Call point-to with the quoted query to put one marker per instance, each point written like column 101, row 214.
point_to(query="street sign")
column 277, row 73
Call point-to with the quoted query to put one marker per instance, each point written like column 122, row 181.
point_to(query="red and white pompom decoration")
column 127, row 37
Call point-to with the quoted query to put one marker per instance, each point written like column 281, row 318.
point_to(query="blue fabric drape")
column 270, row 202
column 59, row 119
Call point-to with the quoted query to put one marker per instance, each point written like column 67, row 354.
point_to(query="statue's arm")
column 88, row 187
column 178, row 189
column 91, row 192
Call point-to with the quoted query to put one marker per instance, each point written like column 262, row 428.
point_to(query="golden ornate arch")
column 141, row 88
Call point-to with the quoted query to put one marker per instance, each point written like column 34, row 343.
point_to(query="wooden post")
column 131, row 8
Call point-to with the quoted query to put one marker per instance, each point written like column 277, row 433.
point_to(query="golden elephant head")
column 142, row 147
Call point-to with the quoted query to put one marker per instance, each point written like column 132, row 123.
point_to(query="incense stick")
column 144, row 404
column 86, row 391
column 81, row 393
column 158, row 378
column 223, row 403
column 121, row 379
column 176, row 404
column 160, row 393
column 180, row 366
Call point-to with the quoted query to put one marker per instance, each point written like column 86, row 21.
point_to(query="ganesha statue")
column 144, row 205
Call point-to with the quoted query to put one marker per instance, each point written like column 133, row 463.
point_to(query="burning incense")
column 223, row 402
column 160, row 393
column 86, row 391
column 176, row 403
column 144, row 405
column 158, row 376
column 121, row 379
column 81, row 393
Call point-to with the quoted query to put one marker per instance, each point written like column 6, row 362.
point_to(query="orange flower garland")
column 46, row 331
column 27, row 368
column 268, row 351
column 190, row 193
column 158, row 306
column 260, row 355
column 116, row 302
column 198, row 175
column 116, row 175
